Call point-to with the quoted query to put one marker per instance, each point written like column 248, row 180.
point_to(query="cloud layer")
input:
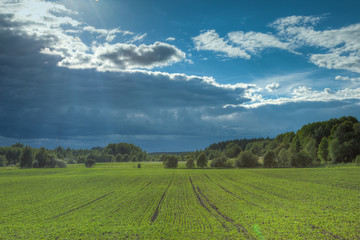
column 62, row 35
column 341, row 47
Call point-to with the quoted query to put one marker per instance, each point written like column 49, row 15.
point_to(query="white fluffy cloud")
column 254, row 42
column 61, row 35
column 347, row 79
column 211, row 41
column 333, row 49
column 342, row 45
column 273, row 86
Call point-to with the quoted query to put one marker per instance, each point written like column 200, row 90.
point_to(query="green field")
column 119, row 201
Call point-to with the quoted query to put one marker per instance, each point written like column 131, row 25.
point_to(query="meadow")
column 121, row 201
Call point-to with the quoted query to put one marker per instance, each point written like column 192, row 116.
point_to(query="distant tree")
column 295, row 145
column 270, row 160
column 323, row 151
column 284, row 158
column 51, row 161
column 13, row 155
column 89, row 162
column 170, row 161
column 312, row 149
column 26, row 158
column 60, row 163
column 81, row 159
column 218, row 162
column 119, row 158
column 71, row 161
column 35, row 164
column 256, row 148
column 247, row 159
column 41, row 157
column 2, row 161
column 190, row 163
column 357, row 160
column 202, row 160
column 126, row 157
column 134, row 158
column 18, row 145
column 232, row 150
column 301, row 159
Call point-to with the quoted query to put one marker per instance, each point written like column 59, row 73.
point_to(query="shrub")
column 247, row 159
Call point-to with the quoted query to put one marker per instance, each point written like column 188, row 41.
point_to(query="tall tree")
column 202, row 160
column 26, row 158
column 41, row 157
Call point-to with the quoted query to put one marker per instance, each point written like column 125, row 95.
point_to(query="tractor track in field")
column 201, row 196
column 156, row 213
column 146, row 185
column 201, row 201
column 198, row 196
column 235, row 195
column 82, row 206
column 238, row 226
column 327, row 232
column 134, row 180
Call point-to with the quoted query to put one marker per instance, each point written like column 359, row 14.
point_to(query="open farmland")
column 118, row 201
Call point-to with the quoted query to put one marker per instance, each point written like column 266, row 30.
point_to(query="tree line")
column 315, row 144
column 27, row 157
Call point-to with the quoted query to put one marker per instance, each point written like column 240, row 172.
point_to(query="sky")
column 173, row 75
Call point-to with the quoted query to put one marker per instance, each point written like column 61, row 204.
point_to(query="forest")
column 315, row 144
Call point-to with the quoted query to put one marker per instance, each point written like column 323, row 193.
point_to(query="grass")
column 120, row 201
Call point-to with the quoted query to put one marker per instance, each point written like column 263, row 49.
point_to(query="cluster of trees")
column 320, row 143
column 334, row 141
column 171, row 161
column 27, row 157
column 329, row 142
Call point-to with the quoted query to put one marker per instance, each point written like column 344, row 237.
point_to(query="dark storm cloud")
column 41, row 100
column 126, row 56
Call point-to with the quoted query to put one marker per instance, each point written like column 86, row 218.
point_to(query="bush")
column 202, row 160
column 190, row 163
column 247, row 159
column 170, row 161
